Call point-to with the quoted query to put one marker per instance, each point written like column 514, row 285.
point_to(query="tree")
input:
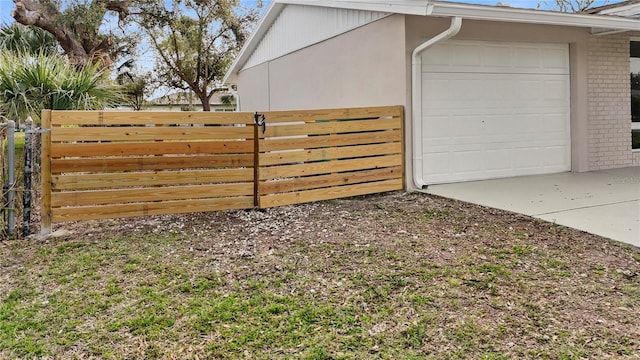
column 133, row 89
column 574, row 6
column 196, row 41
column 228, row 99
column 134, row 86
column 33, row 40
column 77, row 27
column 29, row 84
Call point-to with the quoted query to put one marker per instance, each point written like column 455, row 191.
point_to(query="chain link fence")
column 20, row 175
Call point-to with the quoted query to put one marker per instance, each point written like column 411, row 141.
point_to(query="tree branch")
column 28, row 12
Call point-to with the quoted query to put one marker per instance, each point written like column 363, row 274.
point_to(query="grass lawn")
column 392, row 276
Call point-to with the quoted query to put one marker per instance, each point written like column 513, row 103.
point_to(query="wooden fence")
column 325, row 154
column 120, row 164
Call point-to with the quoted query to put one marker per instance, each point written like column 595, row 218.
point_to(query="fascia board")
column 408, row 7
column 493, row 13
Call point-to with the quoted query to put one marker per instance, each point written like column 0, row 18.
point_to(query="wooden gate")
column 110, row 164
column 326, row 154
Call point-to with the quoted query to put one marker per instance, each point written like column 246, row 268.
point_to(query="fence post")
column 45, row 168
column 28, row 169
column 259, row 121
column 256, row 166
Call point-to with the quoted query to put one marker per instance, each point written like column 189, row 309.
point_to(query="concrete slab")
column 605, row 203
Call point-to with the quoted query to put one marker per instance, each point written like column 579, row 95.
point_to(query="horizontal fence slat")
column 129, row 179
column 328, row 114
column 148, row 117
column 150, row 163
column 100, row 197
column 140, row 133
column 329, row 193
column 330, row 140
column 325, row 167
column 152, row 208
column 151, row 148
column 349, row 126
column 287, row 157
column 321, row 181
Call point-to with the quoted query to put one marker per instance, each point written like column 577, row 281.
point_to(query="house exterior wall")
column 362, row 67
column 609, row 102
column 253, row 88
column 371, row 66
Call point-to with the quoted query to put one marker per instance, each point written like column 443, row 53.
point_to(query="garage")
column 494, row 109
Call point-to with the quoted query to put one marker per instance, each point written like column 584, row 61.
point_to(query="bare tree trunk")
column 205, row 100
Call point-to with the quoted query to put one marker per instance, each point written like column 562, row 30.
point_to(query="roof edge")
column 434, row 8
column 533, row 16
column 261, row 28
column 408, row 7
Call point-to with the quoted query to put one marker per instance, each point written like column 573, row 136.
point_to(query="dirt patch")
column 382, row 276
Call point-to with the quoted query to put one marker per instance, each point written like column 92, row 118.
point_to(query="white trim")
column 409, row 7
column 433, row 8
column 601, row 31
column 495, row 13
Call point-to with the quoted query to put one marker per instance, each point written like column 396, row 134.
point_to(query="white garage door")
column 493, row 109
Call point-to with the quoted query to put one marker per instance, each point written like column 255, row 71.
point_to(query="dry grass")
column 397, row 275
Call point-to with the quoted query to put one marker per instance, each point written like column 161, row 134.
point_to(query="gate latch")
column 260, row 120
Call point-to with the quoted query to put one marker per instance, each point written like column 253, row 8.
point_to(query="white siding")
column 300, row 26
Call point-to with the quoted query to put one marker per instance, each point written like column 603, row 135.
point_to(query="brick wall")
column 609, row 108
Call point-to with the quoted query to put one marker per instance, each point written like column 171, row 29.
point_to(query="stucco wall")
column 363, row 67
column 609, row 102
column 253, row 88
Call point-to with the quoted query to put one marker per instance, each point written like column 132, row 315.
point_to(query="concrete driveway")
column 606, row 203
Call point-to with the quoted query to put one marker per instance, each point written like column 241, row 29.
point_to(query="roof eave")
column 507, row 14
column 408, row 7
column 444, row 9
column 254, row 39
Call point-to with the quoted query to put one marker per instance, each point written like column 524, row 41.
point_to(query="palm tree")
column 29, row 84
column 20, row 38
